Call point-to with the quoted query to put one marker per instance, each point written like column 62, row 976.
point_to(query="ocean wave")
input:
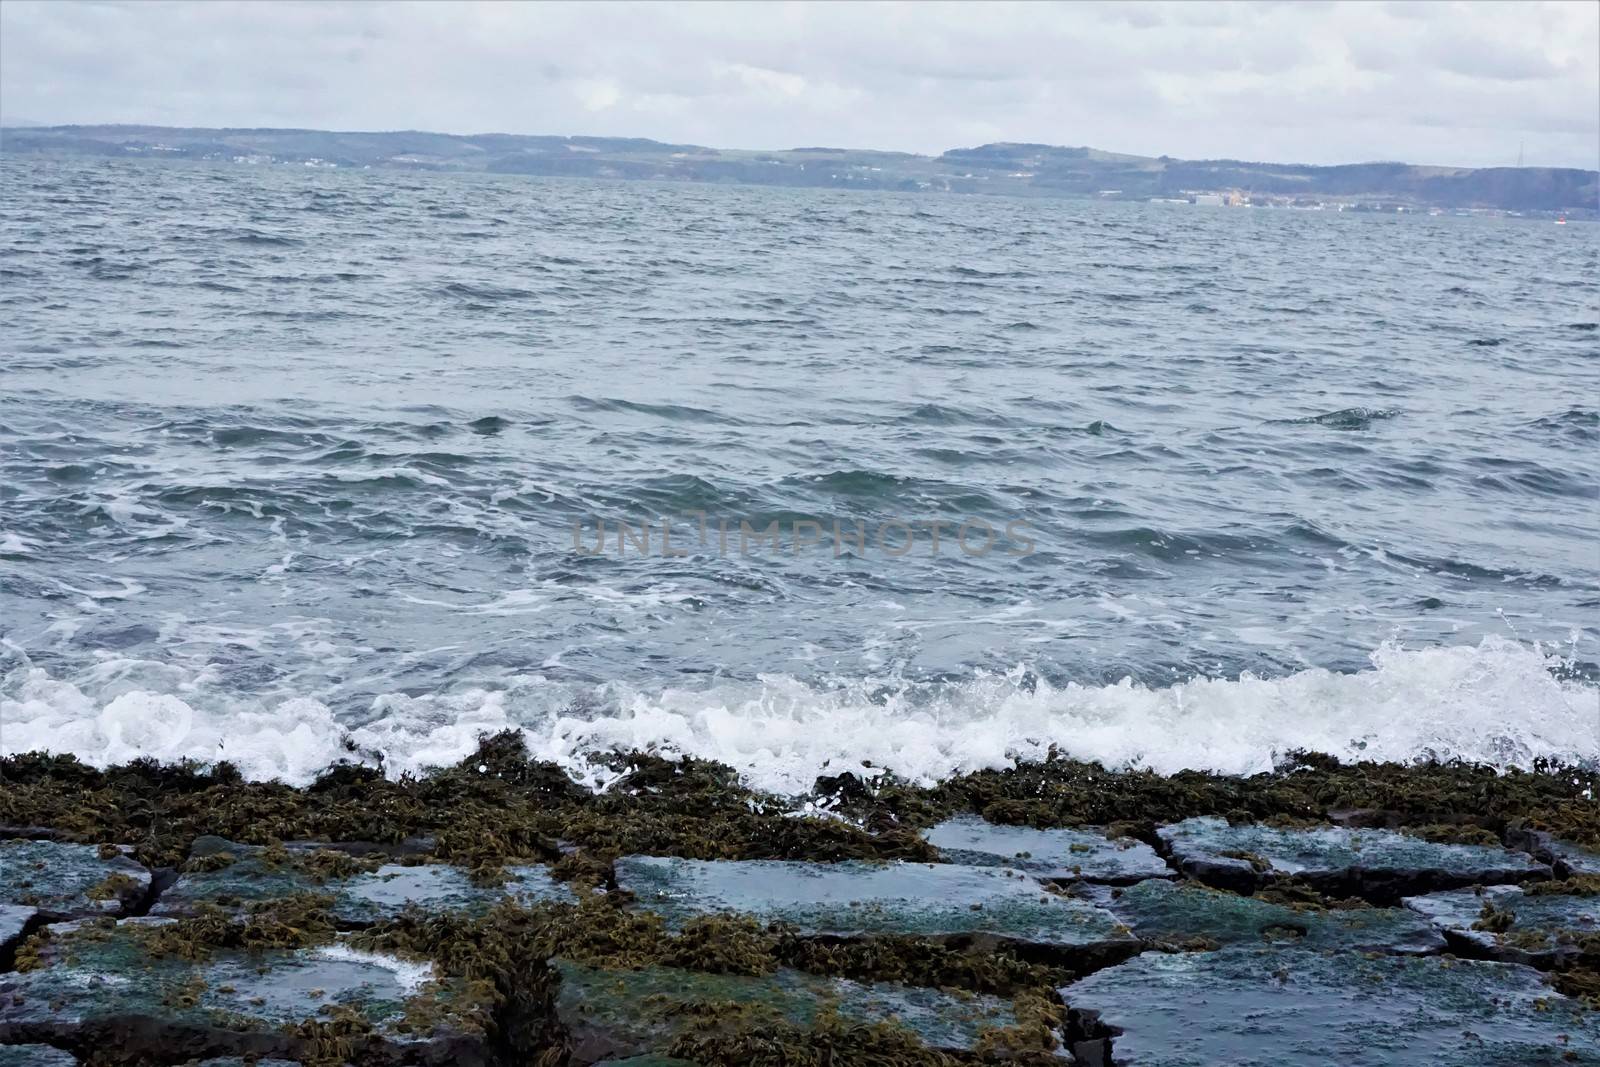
column 1499, row 702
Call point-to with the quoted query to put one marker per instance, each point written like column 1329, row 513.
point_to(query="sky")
column 1471, row 84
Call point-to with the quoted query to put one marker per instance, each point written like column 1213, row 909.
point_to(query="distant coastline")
column 1005, row 169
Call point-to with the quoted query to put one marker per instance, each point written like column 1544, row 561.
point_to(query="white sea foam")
column 1498, row 702
column 409, row 976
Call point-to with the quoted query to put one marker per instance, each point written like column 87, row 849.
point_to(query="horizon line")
column 30, row 125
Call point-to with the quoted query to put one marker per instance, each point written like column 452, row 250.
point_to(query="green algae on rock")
column 1276, row 1005
column 616, row 1013
column 498, row 806
column 857, row 899
column 471, row 826
column 67, row 881
column 1077, row 854
column 15, row 921
column 1547, row 930
column 360, row 894
column 1194, row 915
column 493, row 808
column 1379, row 865
column 102, row 987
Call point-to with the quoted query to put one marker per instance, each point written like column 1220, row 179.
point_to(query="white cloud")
column 1449, row 83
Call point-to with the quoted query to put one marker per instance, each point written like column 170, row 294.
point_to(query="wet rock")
column 14, row 923
column 1084, row 854
column 1566, row 858
column 1289, row 1006
column 1180, row 914
column 411, row 846
column 359, row 899
column 240, row 1061
column 856, row 899
column 1379, row 865
column 100, row 986
column 1504, row 923
column 651, row 1060
column 617, row 1014
column 35, row 1056
column 66, row 881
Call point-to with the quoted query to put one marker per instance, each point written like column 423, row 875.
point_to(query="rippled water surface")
column 293, row 458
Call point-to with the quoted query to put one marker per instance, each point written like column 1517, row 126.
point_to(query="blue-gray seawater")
column 293, row 458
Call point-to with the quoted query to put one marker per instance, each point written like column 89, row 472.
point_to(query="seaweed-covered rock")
column 35, row 1056
column 101, row 984
column 1504, row 923
column 649, row 1060
column 855, row 899
column 1179, row 914
column 1283, row 1006
column 232, row 875
column 1084, row 854
column 1380, row 865
column 612, row 1014
column 66, row 881
column 14, row 922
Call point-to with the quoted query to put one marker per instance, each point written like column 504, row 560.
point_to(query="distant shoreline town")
column 1005, row 169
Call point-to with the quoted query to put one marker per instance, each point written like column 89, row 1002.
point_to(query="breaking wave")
column 1499, row 702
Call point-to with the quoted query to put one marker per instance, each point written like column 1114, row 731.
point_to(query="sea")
column 305, row 465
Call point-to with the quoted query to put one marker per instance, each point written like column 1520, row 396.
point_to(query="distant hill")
column 1005, row 169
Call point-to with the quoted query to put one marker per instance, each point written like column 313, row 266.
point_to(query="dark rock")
column 15, row 922
column 1566, row 858
column 1176, row 914
column 1084, row 854
column 37, row 833
column 66, row 881
column 617, row 1014
column 1504, row 923
column 358, row 900
column 1289, row 1006
column 856, row 899
column 411, row 846
column 100, row 986
column 1379, row 865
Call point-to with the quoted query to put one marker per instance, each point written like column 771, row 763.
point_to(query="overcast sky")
column 1306, row 82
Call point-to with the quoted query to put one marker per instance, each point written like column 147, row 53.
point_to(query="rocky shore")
column 494, row 913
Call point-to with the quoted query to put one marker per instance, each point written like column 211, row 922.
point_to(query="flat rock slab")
column 616, row 1014
column 1574, row 860
column 1505, row 923
column 1060, row 855
column 857, row 899
column 359, row 900
column 1177, row 914
column 1270, row 1007
column 1380, row 865
column 66, row 881
column 1565, row 857
column 35, row 1056
column 101, row 986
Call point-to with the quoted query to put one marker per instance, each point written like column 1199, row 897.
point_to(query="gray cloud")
column 1439, row 83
